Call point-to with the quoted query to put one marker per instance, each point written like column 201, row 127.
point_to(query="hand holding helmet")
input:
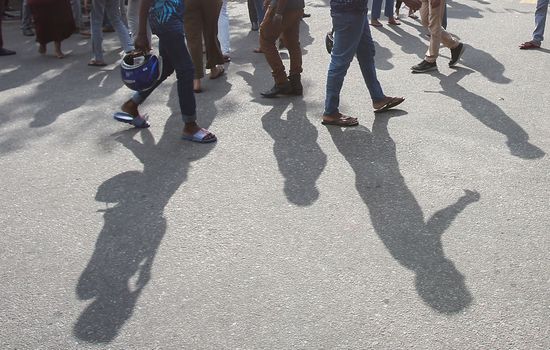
column 141, row 43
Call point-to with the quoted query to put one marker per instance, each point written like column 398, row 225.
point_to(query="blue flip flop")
column 200, row 136
column 139, row 121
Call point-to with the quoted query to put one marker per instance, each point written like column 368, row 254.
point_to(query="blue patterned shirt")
column 166, row 14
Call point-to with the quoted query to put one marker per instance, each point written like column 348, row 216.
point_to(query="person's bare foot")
column 58, row 52
column 131, row 108
column 42, row 49
column 197, row 86
column 190, row 129
column 394, row 21
column 386, row 103
column 217, row 72
column 375, row 23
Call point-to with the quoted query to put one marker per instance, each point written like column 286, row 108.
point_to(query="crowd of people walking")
column 191, row 30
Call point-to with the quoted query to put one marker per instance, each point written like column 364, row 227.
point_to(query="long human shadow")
column 134, row 227
column 300, row 158
column 398, row 219
column 489, row 114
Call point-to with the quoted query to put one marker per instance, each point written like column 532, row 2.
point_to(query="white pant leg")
column 133, row 19
column 223, row 29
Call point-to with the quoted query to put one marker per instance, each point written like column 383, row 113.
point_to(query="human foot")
column 193, row 132
column 375, row 23
column 339, row 119
column 197, row 86
column 386, row 103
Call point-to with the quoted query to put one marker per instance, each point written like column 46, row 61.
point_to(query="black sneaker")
column 424, row 66
column 296, row 83
column 6, row 52
column 456, row 53
column 284, row 89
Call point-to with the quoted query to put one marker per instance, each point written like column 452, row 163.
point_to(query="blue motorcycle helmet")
column 140, row 71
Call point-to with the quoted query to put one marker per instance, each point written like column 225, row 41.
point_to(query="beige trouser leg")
column 432, row 19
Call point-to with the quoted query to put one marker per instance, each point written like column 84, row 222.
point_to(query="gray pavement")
column 426, row 228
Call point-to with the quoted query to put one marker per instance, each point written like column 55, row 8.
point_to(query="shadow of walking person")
column 120, row 266
column 300, row 158
column 489, row 114
column 398, row 219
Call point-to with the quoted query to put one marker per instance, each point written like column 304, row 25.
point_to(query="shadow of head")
column 443, row 288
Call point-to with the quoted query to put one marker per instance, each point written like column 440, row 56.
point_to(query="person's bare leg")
column 58, row 52
column 131, row 108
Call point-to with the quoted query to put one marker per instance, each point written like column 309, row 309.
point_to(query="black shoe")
column 255, row 27
column 296, row 83
column 284, row 89
column 28, row 32
column 424, row 66
column 306, row 15
column 456, row 53
column 6, row 52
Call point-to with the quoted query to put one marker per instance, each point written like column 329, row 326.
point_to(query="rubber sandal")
column 343, row 121
column 529, row 45
column 95, row 63
column 394, row 101
column 219, row 72
column 199, row 136
column 139, row 122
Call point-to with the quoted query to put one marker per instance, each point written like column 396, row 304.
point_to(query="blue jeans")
column 260, row 13
column 540, row 20
column 377, row 8
column 175, row 57
column 112, row 9
column 26, row 18
column 77, row 13
column 351, row 37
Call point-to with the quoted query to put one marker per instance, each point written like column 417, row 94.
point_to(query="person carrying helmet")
column 166, row 21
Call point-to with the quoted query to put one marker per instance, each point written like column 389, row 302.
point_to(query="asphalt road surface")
column 424, row 228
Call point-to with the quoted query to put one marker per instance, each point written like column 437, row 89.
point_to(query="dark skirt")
column 53, row 20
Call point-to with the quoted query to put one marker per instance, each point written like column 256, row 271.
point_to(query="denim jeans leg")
column 112, row 8
column 26, row 20
column 388, row 9
column 259, row 4
column 365, row 56
column 96, row 24
column 540, row 20
column 175, row 56
column 376, row 9
column 223, row 30
column 348, row 29
column 77, row 13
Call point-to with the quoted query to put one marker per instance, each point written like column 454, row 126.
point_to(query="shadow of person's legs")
column 398, row 219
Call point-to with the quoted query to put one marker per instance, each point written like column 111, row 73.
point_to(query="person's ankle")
column 190, row 128
column 130, row 107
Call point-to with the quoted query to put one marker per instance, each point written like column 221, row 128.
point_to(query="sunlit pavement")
column 423, row 228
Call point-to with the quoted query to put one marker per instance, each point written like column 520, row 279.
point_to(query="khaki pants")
column 290, row 30
column 432, row 19
column 201, row 19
